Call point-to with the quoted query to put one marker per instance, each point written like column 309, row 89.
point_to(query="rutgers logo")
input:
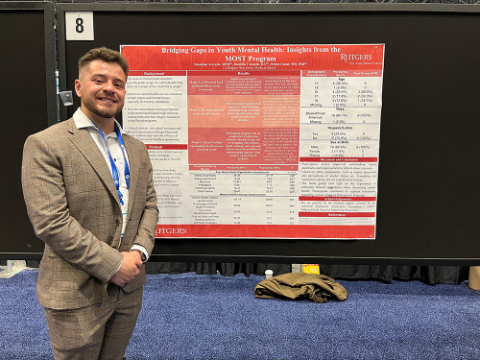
column 172, row 231
column 350, row 57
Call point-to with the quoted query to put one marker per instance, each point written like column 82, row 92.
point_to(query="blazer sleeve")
column 44, row 192
column 148, row 222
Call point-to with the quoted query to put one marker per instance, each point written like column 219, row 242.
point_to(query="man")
column 88, row 187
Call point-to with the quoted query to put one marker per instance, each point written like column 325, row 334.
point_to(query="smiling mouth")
column 107, row 100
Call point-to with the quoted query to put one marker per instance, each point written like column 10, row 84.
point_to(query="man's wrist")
column 142, row 252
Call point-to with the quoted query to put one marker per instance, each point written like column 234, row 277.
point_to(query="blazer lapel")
column 85, row 144
column 133, row 163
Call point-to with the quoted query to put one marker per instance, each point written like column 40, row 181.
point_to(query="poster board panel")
column 28, row 98
column 428, row 178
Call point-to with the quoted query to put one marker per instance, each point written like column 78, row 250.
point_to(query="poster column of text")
column 340, row 129
column 155, row 113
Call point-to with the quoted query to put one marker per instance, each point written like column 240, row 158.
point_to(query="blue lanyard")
column 116, row 179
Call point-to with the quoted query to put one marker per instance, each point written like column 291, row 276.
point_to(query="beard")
column 106, row 113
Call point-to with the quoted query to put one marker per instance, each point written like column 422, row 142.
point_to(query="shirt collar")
column 82, row 121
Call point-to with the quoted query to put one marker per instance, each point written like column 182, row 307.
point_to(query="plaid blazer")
column 74, row 208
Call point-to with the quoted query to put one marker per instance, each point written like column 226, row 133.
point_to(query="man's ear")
column 78, row 89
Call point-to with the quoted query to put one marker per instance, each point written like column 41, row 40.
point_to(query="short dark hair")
column 106, row 55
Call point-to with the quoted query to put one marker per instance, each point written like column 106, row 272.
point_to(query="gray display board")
column 428, row 171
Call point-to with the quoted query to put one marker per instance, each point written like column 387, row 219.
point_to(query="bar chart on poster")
column 260, row 141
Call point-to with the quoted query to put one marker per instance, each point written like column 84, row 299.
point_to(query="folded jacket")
column 318, row 288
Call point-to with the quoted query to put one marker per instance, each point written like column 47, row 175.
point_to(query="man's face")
column 101, row 87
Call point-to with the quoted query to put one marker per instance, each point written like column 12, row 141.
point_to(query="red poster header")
column 192, row 75
column 341, row 73
column 335, row 198
column 267, row 231
column 338, row 159
column 156, row 73
column 335, row 214
column 244, row 167
column 166, row 146
column 366, row 58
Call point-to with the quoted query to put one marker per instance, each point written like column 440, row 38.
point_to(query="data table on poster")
column 260, row 141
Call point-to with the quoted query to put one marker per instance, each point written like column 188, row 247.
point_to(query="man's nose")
column 109, row 87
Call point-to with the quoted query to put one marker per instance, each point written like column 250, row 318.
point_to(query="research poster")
column 260, row 141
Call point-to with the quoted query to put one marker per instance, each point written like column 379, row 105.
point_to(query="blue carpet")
column 190, row 316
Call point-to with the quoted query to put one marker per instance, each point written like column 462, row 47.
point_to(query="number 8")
column 79, row 26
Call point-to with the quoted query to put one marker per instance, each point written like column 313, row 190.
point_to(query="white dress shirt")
column 113, row 144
